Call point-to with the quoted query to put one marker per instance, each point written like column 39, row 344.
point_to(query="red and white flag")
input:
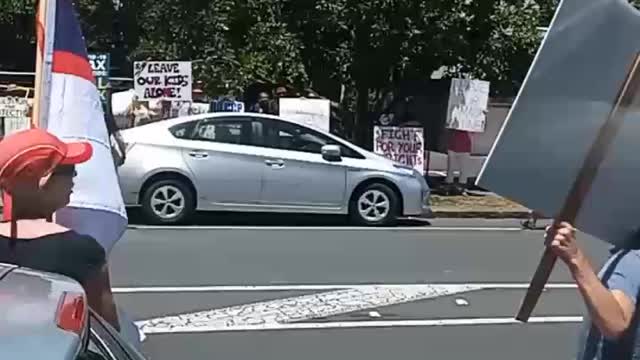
column 70, row 107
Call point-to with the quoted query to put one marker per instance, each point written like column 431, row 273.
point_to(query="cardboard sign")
column 315, row 113
column 14, row 113
column 468, row 105
column 404, row 145
column 163, row 80
column 569, row 96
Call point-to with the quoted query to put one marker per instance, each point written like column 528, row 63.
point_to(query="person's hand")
column 561, row 239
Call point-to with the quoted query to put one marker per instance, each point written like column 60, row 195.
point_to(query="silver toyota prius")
column 250, row 162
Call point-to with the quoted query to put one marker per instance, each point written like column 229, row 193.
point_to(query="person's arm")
column 611, row 310
column 100, row 297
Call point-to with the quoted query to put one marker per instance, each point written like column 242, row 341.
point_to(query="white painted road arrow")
column 278, row 313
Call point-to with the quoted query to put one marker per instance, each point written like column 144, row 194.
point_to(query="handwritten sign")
column 404, row 145
column 468, row 105
column 14, row 113
column 315, row 113
column 163, row 80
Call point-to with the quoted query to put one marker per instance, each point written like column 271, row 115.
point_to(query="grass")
column 474, row 203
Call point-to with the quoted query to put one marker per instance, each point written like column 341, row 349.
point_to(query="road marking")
column 367, row 324
column 321, row 287
column 273, row 313
column 328, row 228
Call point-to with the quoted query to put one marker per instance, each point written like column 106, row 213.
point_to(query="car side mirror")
column 331, row 153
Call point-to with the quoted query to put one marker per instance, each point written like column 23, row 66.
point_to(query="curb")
column 456, row 214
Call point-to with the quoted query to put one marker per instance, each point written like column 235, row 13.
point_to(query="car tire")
column 168, row 202
column 375, row 205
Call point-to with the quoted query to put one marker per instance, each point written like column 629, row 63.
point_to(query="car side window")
column 287, row 136
column 184, row 130
column 106, row 344
column 236, row 131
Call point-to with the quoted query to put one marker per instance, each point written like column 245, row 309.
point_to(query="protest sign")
column 567, row 148
column 163, row 80
column 14, row 113
column 101, row 66
column 468, row 105
column 404, row 145
column 226, row 105
column 314, row 113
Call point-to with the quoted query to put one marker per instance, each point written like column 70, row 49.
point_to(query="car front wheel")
column 375, row 205
column 168, row 202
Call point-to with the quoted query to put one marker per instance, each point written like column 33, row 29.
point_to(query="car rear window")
column 183, row 131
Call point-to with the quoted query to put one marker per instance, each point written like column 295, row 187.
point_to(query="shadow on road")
column 262, row 219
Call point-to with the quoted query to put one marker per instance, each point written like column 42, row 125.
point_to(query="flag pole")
column 45, row 35
column 45, row 27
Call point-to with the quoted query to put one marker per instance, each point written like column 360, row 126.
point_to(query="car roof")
column 141, row 132
column 30, row 301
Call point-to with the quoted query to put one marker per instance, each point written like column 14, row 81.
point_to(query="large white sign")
column 163, row 80
column 315, row 113
column 14, row 113
column 404, row 145
column 468, row 105
column 561, row 118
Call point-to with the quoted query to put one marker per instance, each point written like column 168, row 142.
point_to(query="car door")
column 295, row 173
column 225, row 166
column 106, row 344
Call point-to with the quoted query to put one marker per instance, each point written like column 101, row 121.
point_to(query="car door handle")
column 275, row 164
column 199, row 154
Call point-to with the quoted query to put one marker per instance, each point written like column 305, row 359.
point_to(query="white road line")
column 320, row 287
column 300, row 308
column 328, row 228
column 369, row 324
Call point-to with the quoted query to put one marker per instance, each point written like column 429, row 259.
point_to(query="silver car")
column 46, row 316
column 259, row 163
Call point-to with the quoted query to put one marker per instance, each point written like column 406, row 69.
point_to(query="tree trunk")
column 362, row 121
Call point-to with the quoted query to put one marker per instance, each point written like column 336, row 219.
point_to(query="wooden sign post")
column 627, row 99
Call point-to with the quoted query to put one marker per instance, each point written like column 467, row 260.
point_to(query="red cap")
column 35, row 153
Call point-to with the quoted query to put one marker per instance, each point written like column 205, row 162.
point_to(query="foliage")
column 351, row 50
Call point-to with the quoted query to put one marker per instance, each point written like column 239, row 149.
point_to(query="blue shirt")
column 621, row 272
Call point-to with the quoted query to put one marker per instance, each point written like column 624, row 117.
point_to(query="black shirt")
column 68, row 253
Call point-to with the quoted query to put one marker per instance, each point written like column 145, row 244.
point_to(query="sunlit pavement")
column 447, row 290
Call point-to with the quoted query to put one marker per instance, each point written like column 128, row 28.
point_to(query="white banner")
column 14, row 112
column 163, row 80
column 468, row 105
column 404, row 145
column 314, row 113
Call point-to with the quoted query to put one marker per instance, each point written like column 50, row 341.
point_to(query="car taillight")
column 72, row 312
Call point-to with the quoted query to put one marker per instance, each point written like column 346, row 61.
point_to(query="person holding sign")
column 611, row 331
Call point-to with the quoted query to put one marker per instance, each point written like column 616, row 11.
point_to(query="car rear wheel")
column 375, row 205
column 168, row 202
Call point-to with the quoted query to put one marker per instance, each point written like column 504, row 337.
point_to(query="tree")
column 351, row 50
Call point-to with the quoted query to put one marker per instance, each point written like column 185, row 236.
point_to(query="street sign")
column 567, row 148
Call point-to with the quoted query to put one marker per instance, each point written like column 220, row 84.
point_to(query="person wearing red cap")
column 36, row 172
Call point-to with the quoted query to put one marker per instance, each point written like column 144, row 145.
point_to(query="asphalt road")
column 447, row 291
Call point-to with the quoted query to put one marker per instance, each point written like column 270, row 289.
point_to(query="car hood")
column 388, row 164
